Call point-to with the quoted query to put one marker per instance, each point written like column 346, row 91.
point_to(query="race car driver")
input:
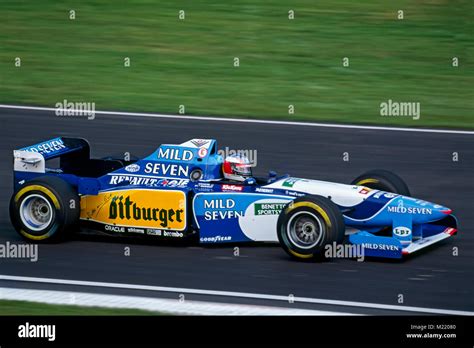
column 237, row 168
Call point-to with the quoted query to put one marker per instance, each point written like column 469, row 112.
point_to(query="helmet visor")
column 242, row 169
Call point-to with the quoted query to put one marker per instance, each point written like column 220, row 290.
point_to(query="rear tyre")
column 384, row 180
column 44, row 209
column 307, row 224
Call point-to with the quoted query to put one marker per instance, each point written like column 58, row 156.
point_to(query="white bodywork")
column 341, row 194
column 263, row 227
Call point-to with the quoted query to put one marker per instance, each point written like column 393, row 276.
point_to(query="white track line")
column 235, row 294
column 176, row 306
column 244, row 120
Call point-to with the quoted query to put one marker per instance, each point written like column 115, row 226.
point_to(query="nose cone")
column 446, row 211
column 419, row 210
column 439, row 214
column 440, row 210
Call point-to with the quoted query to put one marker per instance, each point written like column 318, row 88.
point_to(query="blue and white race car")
column 190, row 191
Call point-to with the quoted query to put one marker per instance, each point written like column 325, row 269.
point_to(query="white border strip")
column 168, row 306
column 244, row 120
column 236, row 294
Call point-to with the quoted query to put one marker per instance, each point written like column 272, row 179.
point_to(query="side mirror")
column 250, row 181
column 271, row 176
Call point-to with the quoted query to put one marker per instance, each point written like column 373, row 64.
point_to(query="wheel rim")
column 36, row 212
column 305, row 230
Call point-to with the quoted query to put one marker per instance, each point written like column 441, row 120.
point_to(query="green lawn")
column 35, row 308
column 282, row 61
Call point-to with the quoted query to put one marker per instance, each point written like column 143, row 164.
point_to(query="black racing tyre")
column 44, row 209
column 384, row 180
column 307, row 224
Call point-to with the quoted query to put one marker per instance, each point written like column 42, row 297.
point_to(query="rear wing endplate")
column 33, row 158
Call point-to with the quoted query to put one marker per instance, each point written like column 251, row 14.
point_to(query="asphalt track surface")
column 433, row 279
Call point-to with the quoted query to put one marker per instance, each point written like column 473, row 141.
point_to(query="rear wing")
column 33, row 158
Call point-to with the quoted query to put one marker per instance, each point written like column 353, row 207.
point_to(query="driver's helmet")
column 237, row 167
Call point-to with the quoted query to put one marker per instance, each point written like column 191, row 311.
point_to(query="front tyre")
column 307, row 224
column 384, row 180
column 44, row 209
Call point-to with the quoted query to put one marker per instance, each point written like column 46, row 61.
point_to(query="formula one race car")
column 191, row 191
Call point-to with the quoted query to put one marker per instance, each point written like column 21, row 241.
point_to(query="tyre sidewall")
column 62, row 217
column 326, row 215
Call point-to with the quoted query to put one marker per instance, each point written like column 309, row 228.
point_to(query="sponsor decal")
column 264, row 190
column 174, row 234
column 137, row 208
column 365, row 190
column 124, row 208
column 232, row 188
column 390, row 195
column 174, row 182
column 268, row 208
column 176, row 154
column 402, row 231
column 400, row 209
column 147, row 181
column 114, row 228
column 215, row 239
column 219, row 203
column 133, row 180
column 153, row 232
column 378, row 246
column 290, row 182
column 293, row 193
column 199, row 142
column 135, row 230
column 202, row 152
column 166, row 169
column 220, row 209
column 47, row 147
column 206, row 187
column 132, row 168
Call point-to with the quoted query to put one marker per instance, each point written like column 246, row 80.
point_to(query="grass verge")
column 283, row 61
